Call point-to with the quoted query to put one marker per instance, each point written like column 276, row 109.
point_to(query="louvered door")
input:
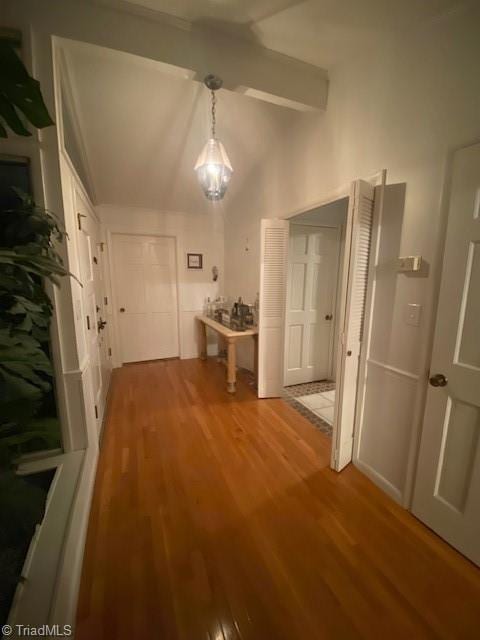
column 273, row 286
column 355, row 278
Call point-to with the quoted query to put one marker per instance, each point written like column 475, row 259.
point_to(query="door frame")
column 117, row 356
column 346, row 191
column 333, row 327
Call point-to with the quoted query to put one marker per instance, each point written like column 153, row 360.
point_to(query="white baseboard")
column 64, row 604
column 379, row 480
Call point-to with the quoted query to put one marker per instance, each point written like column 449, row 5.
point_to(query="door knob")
column 101, row 324
column 122, row 309
column 329, row 316
column 438, row 380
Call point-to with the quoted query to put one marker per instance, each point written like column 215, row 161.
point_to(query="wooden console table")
column 230, row 337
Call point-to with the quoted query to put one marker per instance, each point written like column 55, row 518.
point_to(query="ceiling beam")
column 244, row 65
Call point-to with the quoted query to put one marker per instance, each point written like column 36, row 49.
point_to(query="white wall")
column 404, row 108
column 202, row 233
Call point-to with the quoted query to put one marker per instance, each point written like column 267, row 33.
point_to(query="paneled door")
column 447, row 487
column 146, row 297
column 312, row 276
column 87, row 243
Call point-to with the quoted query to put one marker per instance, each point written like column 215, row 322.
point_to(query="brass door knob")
column 438, row 380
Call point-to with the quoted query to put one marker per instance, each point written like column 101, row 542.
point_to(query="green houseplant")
column 20, row 96
column 27, row 256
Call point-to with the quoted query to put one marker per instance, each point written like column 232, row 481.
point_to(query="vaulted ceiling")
column 142, row 124
column 141, row 130
column 320, row 32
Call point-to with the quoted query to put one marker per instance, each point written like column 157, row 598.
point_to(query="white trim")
column 380, row 481
column 33, row 597
column 334, row 334
column 344, row 191
column 333, row 196
column 68, row 95
column 65, row 597
column 341, row 319
column 388, row 367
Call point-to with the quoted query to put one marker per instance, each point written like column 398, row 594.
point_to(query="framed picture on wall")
column 194, row 261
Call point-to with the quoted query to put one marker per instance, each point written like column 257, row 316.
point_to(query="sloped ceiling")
column 142, row 127
column 142, row 130
column 320, row 32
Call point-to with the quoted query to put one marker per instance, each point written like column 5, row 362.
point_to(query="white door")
column 103, row 330
column 447, row 487
column 271, row 323
column 353, row 290
column 87, row 234
column 146, row 297
column 312, row 276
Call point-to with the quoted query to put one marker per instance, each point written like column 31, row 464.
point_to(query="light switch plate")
column 409, row 263
column 413, row 313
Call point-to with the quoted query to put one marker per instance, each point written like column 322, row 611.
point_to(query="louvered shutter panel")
column 356, row 265
column 273, row 287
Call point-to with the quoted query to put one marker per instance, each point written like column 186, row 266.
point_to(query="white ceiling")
column 143, row 124
column 321, row 32
column 143, row 129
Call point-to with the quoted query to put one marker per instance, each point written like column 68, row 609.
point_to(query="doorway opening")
column 291, row 347
column 315, row 251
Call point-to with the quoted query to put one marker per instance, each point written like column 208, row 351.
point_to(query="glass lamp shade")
column 213, row 169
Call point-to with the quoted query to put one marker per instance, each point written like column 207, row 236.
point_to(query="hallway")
column 217, row 517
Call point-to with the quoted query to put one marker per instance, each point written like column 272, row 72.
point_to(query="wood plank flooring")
column 216, row 517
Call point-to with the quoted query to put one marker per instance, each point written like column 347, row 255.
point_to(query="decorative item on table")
column 239, row 312
column 226, row 317
column 194, row 261
column 207, row 307
column 249, row 318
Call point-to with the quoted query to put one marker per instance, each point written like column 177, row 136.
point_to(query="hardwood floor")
column 217, row 517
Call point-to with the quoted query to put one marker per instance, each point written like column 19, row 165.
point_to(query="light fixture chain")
column 214, row 121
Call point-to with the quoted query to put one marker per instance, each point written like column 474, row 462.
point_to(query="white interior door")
column 146, row 297
column 312, row 275
column 271, row 322
column 353, row 293
column 87, row 234
column 103, row 330
column 447, row 487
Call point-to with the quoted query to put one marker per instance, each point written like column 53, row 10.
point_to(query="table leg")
column 203, row 340
column 231, row 366
column 222, row 348
column 255, row 357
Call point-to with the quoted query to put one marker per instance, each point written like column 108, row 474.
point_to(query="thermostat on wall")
column 409, row 263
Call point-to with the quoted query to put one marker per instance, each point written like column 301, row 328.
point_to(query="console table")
column 230, row 337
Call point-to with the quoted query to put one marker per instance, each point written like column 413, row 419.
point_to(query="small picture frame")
column 194, row 261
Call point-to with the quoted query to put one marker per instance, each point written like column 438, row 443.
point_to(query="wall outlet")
column 413, row 313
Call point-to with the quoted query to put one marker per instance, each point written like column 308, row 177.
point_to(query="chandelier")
column 213, row 167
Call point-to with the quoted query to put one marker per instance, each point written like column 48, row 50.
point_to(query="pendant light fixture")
column 213, row 167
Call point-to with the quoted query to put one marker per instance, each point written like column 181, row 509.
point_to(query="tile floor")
column 314, row 400
column 321, row 404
